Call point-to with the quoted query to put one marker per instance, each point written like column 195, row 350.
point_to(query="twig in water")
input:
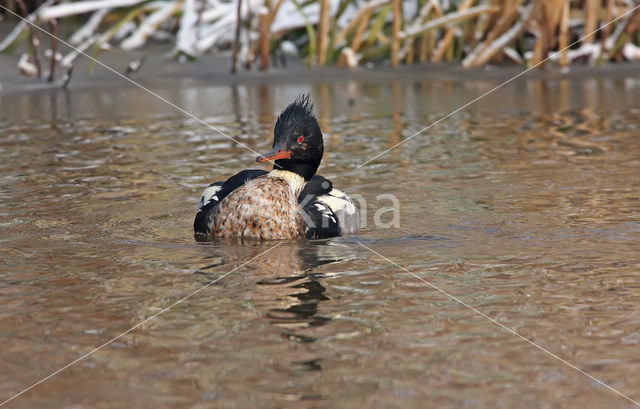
column 67, row 77
column 70, row 58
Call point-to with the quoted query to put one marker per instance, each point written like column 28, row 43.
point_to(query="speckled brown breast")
column 264, row 208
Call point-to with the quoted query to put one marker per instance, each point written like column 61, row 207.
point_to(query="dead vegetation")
column 343, row 32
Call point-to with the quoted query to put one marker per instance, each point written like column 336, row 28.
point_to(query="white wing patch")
column 344, row 209
column 209, row 193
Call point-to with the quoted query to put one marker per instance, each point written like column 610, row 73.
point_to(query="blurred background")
column 348, row 33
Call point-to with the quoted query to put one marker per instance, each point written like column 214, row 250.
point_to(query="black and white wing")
column 328, row 212
column 210, row 193
column 343, row 208
column 213, row 194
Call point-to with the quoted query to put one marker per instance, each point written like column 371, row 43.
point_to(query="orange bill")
column 275, row 154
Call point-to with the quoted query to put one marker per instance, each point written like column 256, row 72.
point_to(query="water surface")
column 526, row 206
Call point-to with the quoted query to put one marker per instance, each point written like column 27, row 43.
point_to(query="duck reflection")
column 286, row 286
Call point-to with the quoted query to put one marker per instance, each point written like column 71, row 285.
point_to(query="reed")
column 53, row 27
column 591, row 14
column 349, row 32
column 563, row 40
column 236, row 41
column 34, row 42
column 264, row 41
column 446, row 40
column 395, row 32
column 323, row 32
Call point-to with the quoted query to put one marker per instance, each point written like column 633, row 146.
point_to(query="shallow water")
column 526, row 206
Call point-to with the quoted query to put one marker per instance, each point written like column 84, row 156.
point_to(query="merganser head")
column 297, row 140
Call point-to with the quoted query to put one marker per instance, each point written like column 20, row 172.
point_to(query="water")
column 525, row 206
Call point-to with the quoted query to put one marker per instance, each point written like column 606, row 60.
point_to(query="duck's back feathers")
column 264, row 208
column 323, row 211
column 217, row 191
column 213, row 194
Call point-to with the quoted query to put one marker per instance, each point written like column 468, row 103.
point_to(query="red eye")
column 300, row 139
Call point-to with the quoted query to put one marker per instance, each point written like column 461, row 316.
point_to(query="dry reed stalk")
column 256, row 48
column 323, row 32
column 492, row 19
column 274, row 11
column 236, row 41
column 443, row 45
column 591, row 11
column 411, row 53
column 53, row 26
column 482, row 54
column 428, row 39
column 352, row 24
column 382, row 38
column 629, row 28
column 377, row 25
column 426, row 45
column 546, row 21
column 538, row 48
column 480, row 29
column 513, row 55
column 33, row 39
column 450, row 18
column 500, row 23
column 494, row 23
column 395, row 32
column 357, row 38
column 423, row 50
column 563, row 40
column 365, row 11
column 608, row 17
column 264, row 42
column 250, row 56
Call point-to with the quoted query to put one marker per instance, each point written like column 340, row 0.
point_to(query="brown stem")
column 67, row 77
column 591, row 11
column 53, row 25
column 248, row 59
column 265, row 40
column 362, row 26
column 236, row 42
column 563, row 40
column 33, row 39
column 443, row 46
column 323, row 32
column 395, row 32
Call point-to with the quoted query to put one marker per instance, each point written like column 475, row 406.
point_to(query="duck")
column 289, row 202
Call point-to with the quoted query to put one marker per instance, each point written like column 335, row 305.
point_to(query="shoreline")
column 214, row 69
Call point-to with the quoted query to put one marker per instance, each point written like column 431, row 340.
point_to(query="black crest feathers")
column 298, row 112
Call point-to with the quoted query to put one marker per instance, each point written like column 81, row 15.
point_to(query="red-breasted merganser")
column 290, row 202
